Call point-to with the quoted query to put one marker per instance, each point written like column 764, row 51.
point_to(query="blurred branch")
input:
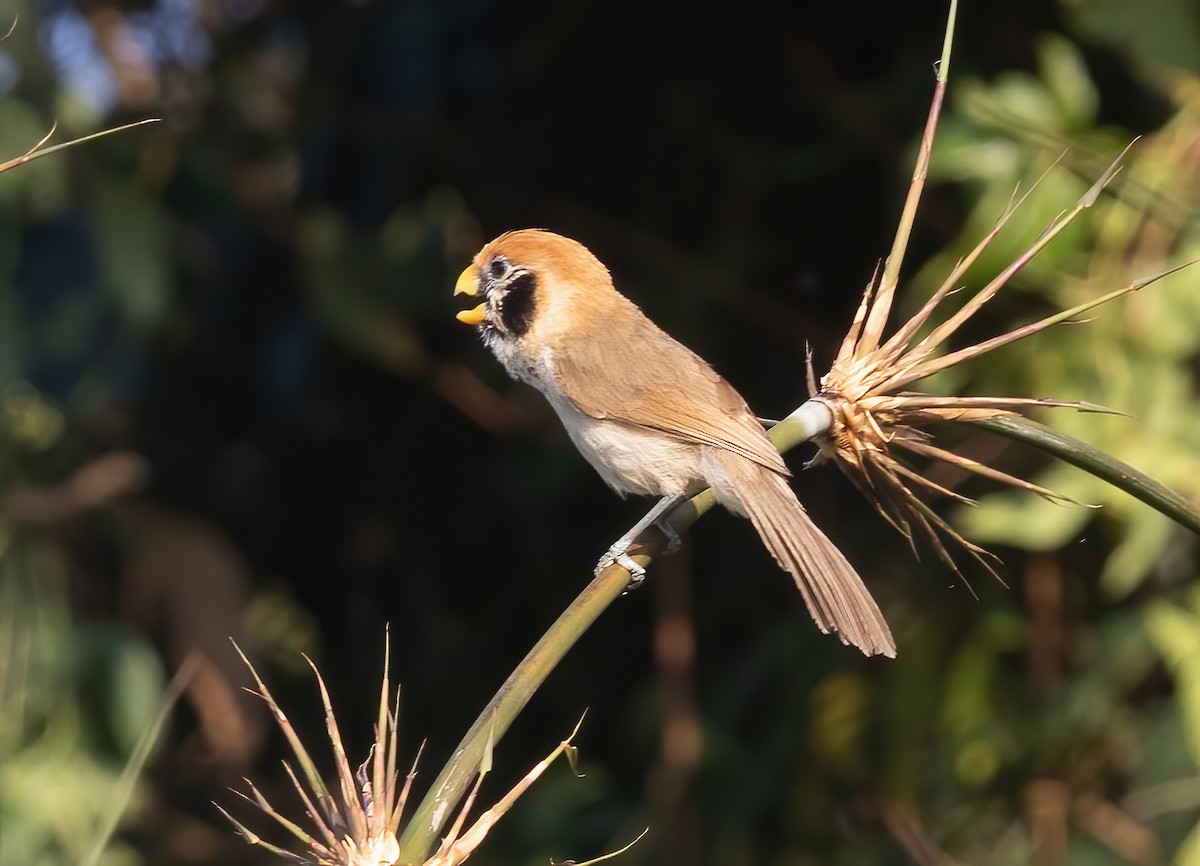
column 1127, row 836
column 97, row 483
column 670, row 782
column 906, row 828
column 469, row 394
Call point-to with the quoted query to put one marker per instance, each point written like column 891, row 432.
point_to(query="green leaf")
column 1140, row 546
column 1065, row 75
column 125, row 678
column 1153, row 33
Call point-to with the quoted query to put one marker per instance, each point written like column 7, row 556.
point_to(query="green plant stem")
column 1098, row 463
column 422, row 829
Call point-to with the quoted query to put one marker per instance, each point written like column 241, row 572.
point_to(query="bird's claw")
column 637, row 574
column 617, row 555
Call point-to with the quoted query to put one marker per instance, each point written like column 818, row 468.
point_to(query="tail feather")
column 834, row 593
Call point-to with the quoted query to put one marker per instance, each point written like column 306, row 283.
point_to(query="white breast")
column 631, row 459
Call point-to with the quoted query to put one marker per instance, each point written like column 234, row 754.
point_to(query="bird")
column 650, row 415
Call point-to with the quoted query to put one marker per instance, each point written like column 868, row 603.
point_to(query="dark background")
column 252, row 299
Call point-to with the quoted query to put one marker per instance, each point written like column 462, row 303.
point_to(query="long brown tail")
column 832, row 589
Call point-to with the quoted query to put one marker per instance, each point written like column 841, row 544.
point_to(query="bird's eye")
column 499, row 267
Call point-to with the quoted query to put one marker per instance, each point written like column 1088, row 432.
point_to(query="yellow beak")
column 468, row 284
column 473, row 316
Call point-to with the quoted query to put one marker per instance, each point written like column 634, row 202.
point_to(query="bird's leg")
column 617, row 554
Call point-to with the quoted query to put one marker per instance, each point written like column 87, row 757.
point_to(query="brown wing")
column 632, row 371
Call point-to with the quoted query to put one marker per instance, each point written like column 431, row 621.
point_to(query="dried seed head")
column 878, row 425
column 359, row 826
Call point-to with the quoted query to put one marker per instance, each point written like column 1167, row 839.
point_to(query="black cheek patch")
column 516, row 308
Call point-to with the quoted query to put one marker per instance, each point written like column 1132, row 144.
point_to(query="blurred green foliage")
column 254, row 297
column 75, row 693
column 1133, row 358
column 1093, row 726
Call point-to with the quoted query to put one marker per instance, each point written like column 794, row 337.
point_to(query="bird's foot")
column 617, row 555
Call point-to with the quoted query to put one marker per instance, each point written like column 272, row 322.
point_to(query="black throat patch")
column 515, row 307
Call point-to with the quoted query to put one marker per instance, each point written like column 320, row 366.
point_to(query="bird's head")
column 531, row 284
